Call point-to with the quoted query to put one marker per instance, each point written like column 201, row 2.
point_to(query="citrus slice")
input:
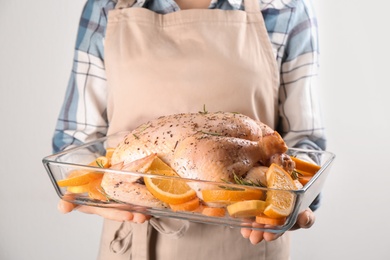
column 279, row 201
column 78, row 189
column 169, row 190
column 213, row 212
column 101, row 162
column 79, row 177
column 95, row 191
column 230, row 196
column 245, row 209
column 186, row 206
column 305, row 167
column 159, row 165
column 304, row 179
column 263, row 219
column 109, row 152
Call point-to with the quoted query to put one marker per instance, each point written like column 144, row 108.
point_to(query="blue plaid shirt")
column 292, row 29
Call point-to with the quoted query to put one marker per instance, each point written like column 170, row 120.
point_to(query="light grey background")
column 36, row 50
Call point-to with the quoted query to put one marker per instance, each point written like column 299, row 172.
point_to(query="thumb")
column 306, row 219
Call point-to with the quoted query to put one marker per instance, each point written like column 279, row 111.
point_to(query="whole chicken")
column 203, row 146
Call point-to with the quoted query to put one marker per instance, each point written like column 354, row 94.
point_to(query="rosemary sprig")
column 242, row 181
column 296, row 174
column 145, row 126
column 204, row 112
column 99, row 164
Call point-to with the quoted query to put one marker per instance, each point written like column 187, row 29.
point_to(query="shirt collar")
column 264, row 4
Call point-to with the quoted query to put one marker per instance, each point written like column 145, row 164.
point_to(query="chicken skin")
column 203, row 146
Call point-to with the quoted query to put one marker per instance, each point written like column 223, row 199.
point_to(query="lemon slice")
column 248, row 208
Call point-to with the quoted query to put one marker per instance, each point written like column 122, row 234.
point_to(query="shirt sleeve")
column 301, row 121
column 83, row 113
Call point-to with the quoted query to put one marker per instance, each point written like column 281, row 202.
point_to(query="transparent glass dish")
column 60, row 165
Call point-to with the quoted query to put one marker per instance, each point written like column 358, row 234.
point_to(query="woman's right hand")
column 112, row 214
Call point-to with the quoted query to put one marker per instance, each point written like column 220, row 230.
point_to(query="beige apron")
column 182, row 62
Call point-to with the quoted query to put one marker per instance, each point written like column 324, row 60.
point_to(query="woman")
column 137, row 60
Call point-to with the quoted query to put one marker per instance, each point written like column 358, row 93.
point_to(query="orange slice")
column 263, row 219
column 95, row 191
column 78, row 189
column 102, row 162
column 159, row 165
column 109, row 152
column 213, row 212
column 280, row 201
column 172, row 191
column 79, row 177
column 304, row 179
column 246, row 209
column 186, row 206
column 230, row 196
column 305, row 167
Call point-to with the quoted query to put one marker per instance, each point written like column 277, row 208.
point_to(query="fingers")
column 256, row 237
column 112, row 214
column 65, row 207
column 115, row 214
column 140, row 218
column 246, row 232
column 271, row 236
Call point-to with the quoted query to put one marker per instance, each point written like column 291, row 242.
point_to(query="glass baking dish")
column 60, row 165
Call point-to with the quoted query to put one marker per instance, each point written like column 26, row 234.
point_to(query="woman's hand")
column 112, row 214
column 305, row 220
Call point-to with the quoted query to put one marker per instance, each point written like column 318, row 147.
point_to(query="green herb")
column 144, row 128
column 229, row 188
column 242, row 181
column 99, row 163
column 204, row 112
column 295, row 175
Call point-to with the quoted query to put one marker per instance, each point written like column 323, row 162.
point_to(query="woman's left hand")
column 305, row 220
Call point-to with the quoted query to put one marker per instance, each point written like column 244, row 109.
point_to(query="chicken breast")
column 130, row 188
column 204, row 146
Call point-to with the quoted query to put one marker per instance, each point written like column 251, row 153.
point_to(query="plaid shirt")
column 292, row 29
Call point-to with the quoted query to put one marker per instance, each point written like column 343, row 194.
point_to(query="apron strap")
column 124, row 4
column 252, row 6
